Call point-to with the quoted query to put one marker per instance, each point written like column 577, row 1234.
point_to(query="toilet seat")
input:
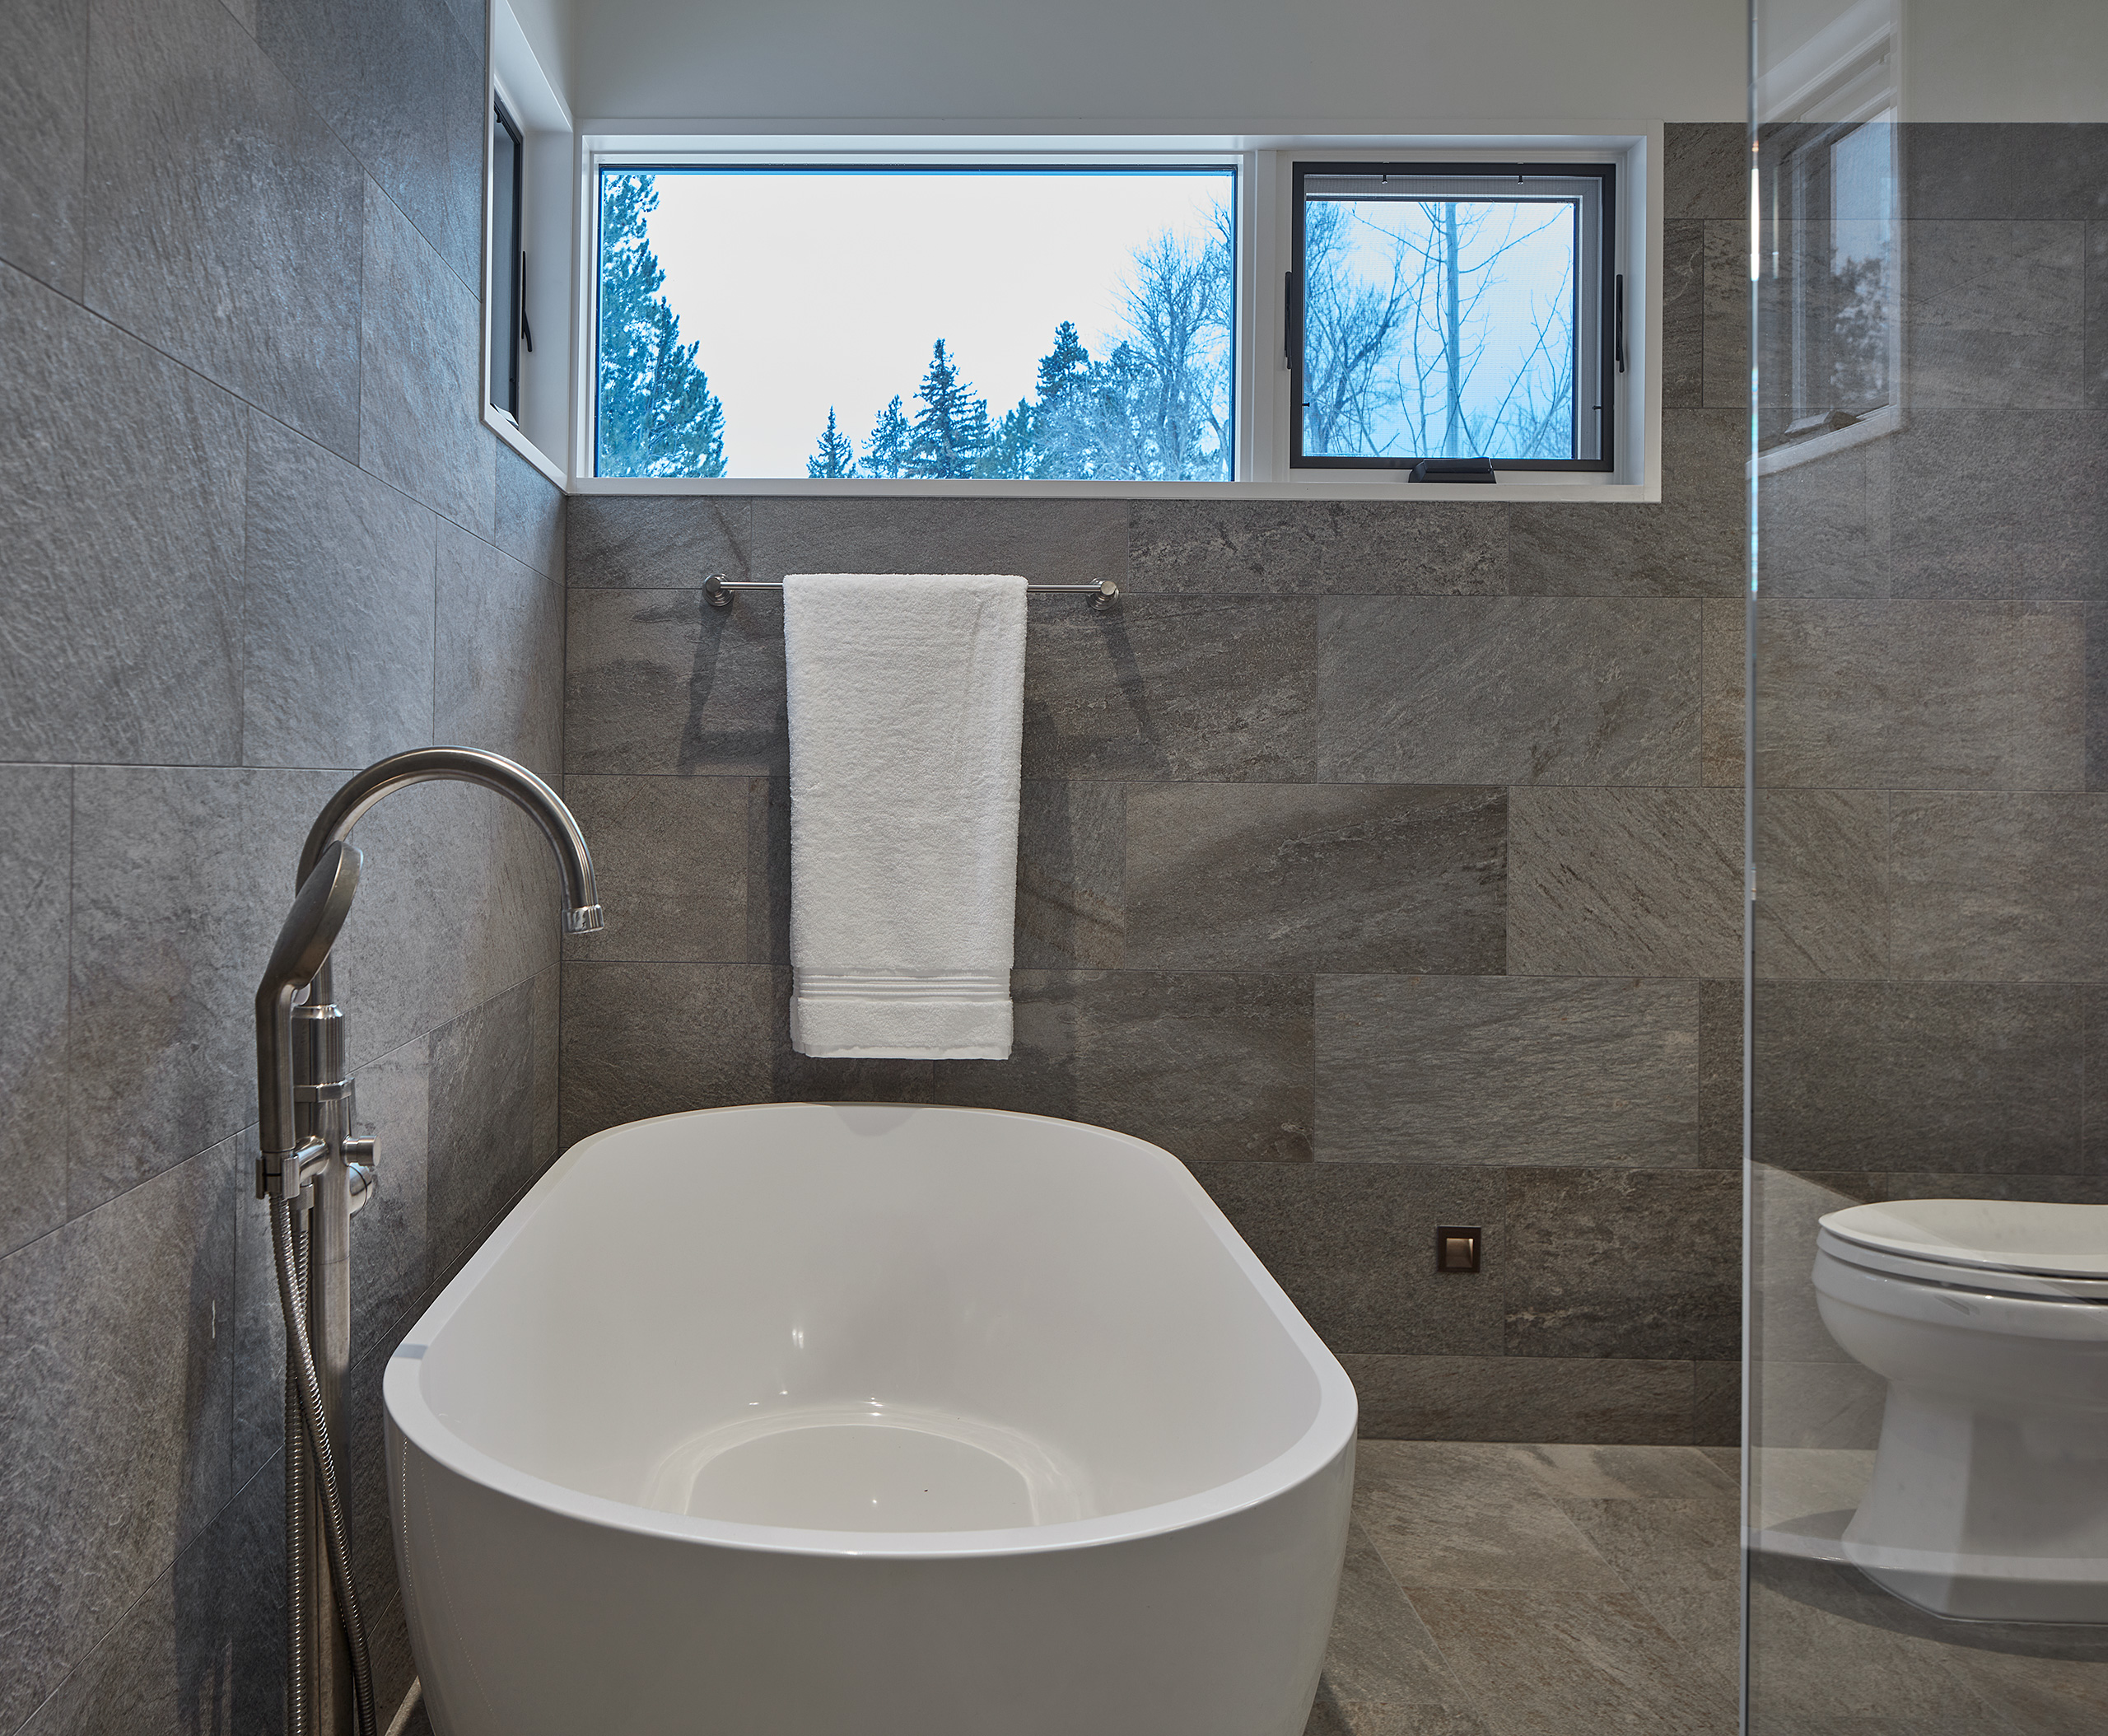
column 2005, row 1248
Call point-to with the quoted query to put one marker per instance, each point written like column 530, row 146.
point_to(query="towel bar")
column 718, row 590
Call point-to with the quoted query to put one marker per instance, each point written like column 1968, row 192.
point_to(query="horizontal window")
column 899, row 321
column 1454, row 311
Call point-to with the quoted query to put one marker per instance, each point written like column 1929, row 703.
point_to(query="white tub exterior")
column 636, row 1447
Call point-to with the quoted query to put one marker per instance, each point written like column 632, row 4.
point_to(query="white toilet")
column 1988, row 1318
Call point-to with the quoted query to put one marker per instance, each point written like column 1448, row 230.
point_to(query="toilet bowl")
column 1988, row 1319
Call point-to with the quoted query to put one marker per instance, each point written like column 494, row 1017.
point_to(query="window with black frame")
column 508, row 289
column 1455, row 310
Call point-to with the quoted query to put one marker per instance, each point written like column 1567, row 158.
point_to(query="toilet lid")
column 1986, row 1235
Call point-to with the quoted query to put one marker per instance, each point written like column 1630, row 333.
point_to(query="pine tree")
column 836, row 456
column 885, row 453
column 1061, row 442
column 1009, row 454
column 657, row 415
column 951, row 429
column 1068, row 364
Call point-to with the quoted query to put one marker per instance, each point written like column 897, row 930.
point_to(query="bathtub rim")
column 1330, row 1432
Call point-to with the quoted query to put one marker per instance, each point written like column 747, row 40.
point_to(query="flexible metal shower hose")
column 301, row 1375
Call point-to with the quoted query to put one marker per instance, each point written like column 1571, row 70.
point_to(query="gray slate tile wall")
column 1932, row 930
column 1380, row 859
column 256, row 538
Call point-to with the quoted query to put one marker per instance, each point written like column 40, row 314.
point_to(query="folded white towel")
column 906, row 699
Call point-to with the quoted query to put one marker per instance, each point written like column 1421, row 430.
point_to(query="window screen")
column 1454, row 310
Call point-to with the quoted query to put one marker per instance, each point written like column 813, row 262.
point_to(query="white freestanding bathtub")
column 807, row 1419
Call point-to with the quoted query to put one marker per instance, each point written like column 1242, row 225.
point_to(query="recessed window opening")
column 906, row 321
column 508, row 297
column 1454, row 310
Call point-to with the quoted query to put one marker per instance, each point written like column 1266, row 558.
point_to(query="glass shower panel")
column 1927, row 1302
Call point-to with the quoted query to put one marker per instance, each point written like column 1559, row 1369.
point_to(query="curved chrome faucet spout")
column 467, row 765
column 306, row 1170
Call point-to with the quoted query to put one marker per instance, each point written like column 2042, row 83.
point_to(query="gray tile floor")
column 1503, row 1590
column 1494, row 1590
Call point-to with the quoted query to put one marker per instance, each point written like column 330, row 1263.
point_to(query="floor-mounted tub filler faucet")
column 315, row 1175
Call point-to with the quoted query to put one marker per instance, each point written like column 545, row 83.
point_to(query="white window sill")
column 1578, row 491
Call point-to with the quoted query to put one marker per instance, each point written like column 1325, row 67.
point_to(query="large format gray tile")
column 653, row 1039
column 36, row 852
column 1072, row 873
column 337, row 619
column 1226, row 546
column 1445, row 1514
column 168, row 942
column 676, row 861
column 2003, row 887
column 1513, row 690
column 1522, row 1399
column 657, row 681
column 658, row 542
column 1993, row 314
column 480, row 1123
column 1353, row 1244
column 1681, row 1558
column 1821, row 883
column 1726, row 315
column 401, row 84
column 43, row 83
column 1826, row 524
column 1625, row 883
column 530, row 512
column 500, row 680
column 1315, row 877
column 1417, row 547
column 1694, row 542
column 2000, row 503
column 1048, row 542
column 1208, row 1066
column 420, row 380
column 1716, row 1419
column 1921, row 695
column 1723, row 690
column 1979, row 1077
column 1384, row 1675
column 122, row 520
column 1825, row 1644
column 1719, row 1074
column 1615, row 1262
column 1170, row 688
column 1705, row 170
column 1961, row 170
column 2097, row 696
column 115, row 1377
column 1506, row 1070
column 203, row 1648
column 1284, row 548
column 222, row 215
column 2096, row 314
column 1683, row 314
column 1545, row 1663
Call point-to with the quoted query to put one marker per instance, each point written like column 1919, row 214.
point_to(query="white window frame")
column 1264, row 221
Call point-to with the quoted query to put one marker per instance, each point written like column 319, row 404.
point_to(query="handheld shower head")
column 309, row 931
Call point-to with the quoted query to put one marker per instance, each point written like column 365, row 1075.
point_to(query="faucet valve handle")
column 362, row 1180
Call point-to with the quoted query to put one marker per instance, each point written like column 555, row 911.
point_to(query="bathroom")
column 1409, row 859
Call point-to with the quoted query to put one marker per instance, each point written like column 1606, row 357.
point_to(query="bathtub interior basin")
column 849, row 1320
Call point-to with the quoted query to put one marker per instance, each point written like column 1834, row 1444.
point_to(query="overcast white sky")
column 807, row 288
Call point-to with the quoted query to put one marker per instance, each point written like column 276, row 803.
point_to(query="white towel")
column 906, row 699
